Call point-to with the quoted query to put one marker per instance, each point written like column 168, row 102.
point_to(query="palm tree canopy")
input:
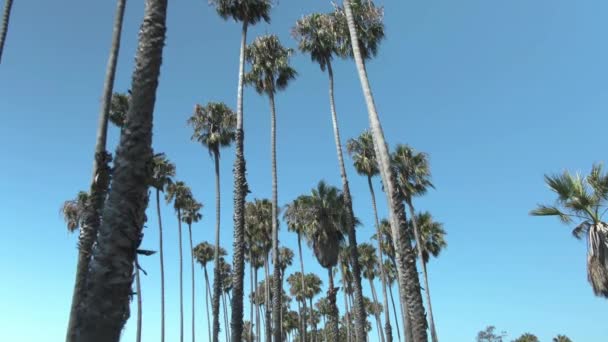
column 361, row 149
column 249, row 11
column 372, row 307
column 368, row 260
column 316, row 35
column 163, row 172
column 204, row 252
column 226, row 275
column 368, row 23
column 386, row 242
column 258, row 225
column 192, row 210
column 295, row 286
column 297, row 215
column 178, row 193
column 119, row 106
column 412, row 170
column 312, row 284
column 270, row 69
column 73, row 211
column 389, row 271
column 285, row 258
column 561, row 338
column 527, row 337
column 214, row 125
column 432, row 235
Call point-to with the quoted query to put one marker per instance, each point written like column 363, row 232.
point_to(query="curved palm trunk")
column 276, row 298
column 181, row 277
column 192, row 274
column 101, row 172
column 352, row 236
column 240, row 191
column 376, row 314
column 139, row 301
column 303, row 318
column 108, row 284
column 424, row 274
column 387, row 316
column 408, row 275
column 8, row 4
column 217, row 274
column 334, row 314
column 390, row 290
column 267, row 301
column 162, row 268
column 207, row 296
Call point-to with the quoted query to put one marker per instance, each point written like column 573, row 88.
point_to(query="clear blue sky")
column 498, row 92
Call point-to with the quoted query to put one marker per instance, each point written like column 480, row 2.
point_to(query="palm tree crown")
column 179, row 194
column 203, row 253
column 73, row 211
column 248, row 11
column 270, row 70
column 192, row 211
column 432, row 235
column 369, row 25
column 214, row 125
column 163, row 172
column 362, row 151
column 412, row 171
column 316, row 34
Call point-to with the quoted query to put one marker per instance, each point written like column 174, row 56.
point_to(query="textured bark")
column 217, row 272
column 227, row 331
column 240, row 192
column 303, row 317
column 408, row 275
column 162, row 268
column 8, row 4
column 181, row 276
column 101, row 170
column 390, row 290
column 350, row 224
column 139, row 301
column 267, row 301
column 313, row 324
column 108, row 288
column 334, row 315
column 192, row 277
column 376, row 315
column 207, row 296
column 402, row 307
column 276, row 298
column 387, row 317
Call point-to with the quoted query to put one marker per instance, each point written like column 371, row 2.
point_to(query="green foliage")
column 119, row 106
column 368, row 23
column 204, row 253
column 192, row 210
column 362, row 151
column 561, row 338
column 249, row 11
column 269, row 60
column 412, row 170
column 163, row 172
column 490, row 335
column 432, row 235
column 179, row 194
column 73, row 211
column 368, row 260
column 527, row 337
column 214, row 125
column 316, row 35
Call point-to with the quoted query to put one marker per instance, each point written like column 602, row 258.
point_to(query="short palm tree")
column 8, row 4
column 312, row 287
column 214, row 126
column 180, row 195
column 369, row 264
column 162, row 176
column 192, row 215
column 203, row 253
column 248, row 12
column 271, row 72
column 582, row 201
column 362, row 151
column 561, row 338
column 110, row 271
column 226, row 270
column 296, row 289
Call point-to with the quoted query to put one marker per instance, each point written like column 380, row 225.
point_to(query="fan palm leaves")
column 204, row 252
column 370, row 266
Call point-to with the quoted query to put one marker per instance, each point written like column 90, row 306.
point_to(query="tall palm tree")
column 162, row 176
column 582, row 200
column 413, row 175
column 285, row 260
column 312, row 287
column 180, row 195
column 8, row 4
column 214, row 126
column 391, row 274
column 317, row 35
column 101, row 171
column 204, row 252
column 346, row 279
column 369, row 263
column 192, row 215
column 254, row 257
column 226, row 288
column 270, row 72
column 110, row 275
column 361, row 28
column 361, row 150
column 296, row 290
column 248, row 12
column 138, row 291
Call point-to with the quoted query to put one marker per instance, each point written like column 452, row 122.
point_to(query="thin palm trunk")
column 252, row 301
column 303, row 334
column 8, row 4
column 387, row 316
column 162, row 268
column 267, row 301
column 181, row 277
column 390, row 289
column 346, row 313
column 110, row 276
column 408, row 275
column 313, row 324
column 139, row 301
column 434, row 337
column 217, row 275
column 240, row 191
column 101, row 172
column 352, row 235
column 300, row 319
column 227, row 328
column 258, row 329
column 334, row 315
column 192, row 276
column 402, row 307
column 207, row 296
column 376, row 314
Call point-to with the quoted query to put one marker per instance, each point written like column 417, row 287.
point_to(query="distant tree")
column 561, row 338
column 527, row 337
column 490, row 335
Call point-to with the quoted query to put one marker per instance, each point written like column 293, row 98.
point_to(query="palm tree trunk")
column 390, row 289
column 376, row 315
column 408, row 275
column 303, row 334
column 276, row 298
column 258, row 330
column 352, row 236
column 139, row 301
column 192, row 274
column 387, row 316
column 240, row 192
column 346, row 313
column 267, row 301
column 101, row 171
column 313, row 324
column 252, row 301
column 334, row 314
column 181, row 277
column 217, row 275
column 226, row 317
column 162, row 268
column 402, row 308
column 301, row 323
column 207, row 295
column 434, row 337
column 8, row 4
column 108, row 283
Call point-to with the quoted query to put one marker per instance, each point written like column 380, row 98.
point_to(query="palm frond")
column 544, row 210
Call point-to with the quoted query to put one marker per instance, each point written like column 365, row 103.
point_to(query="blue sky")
column 497, row 92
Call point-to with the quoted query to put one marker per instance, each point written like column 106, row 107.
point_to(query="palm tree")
column 214, row 126
column 119, row 106
column 391, row 274
column 561, row 338
column 361, row 150
column 346, row 279
column 248, row 12
column 270, row 72
column 180, row 195
column 296, row 290
column 138, row 291
column 527, row 337
column 162, row 176
column 108, row 282
column 582, row 200
column 361, row 29
column 285, row 260
column 204, row 252
column 312, row 287
column 254, row 257
column 101, row 171
column 317, row 35
column 369, row 263
column 192, row 215
column 226, row 288
column 8, row 4
column 73, row 211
